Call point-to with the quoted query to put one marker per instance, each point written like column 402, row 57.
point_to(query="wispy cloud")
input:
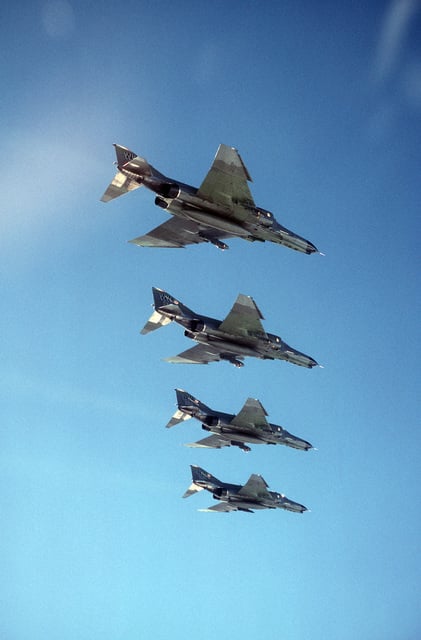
column 396, row 71
column 394, row 31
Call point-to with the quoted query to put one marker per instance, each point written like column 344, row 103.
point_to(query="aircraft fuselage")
column 237, row 218
column 221, row 423
column 265, row 346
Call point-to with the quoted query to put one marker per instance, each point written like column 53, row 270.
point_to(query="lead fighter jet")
column 222, row 207
column 235, row 497
column 249, row 425
column 240, row 334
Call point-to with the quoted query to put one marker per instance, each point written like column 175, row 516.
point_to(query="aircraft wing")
column 177, row 233
column 251, row 416
column 211, row 442
column 244, row 319
column 255, row 487
column 223, row 507
column 226, row 181
column 200, row 354
column 120, row 185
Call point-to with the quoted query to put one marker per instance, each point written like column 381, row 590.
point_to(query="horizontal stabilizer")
column 179, row 416
column 120, row 185
column 156, row 321
column 193, row 488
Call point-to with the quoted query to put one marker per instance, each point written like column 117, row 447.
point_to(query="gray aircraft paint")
column 255, row 494
column 222, row 207
column 249, row 425
column 239, row 335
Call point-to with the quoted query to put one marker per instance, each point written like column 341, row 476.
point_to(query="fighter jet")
column 240, row 334
column 250, row 425
column 235, row 497
column 222, row 207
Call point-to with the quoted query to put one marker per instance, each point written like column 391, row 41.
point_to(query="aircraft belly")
column 236, row 348
column 214, row 221
column 291, row 241
column 215, row 215
column 229, row 434
column 249, row 504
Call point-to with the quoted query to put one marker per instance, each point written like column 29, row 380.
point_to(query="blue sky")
column 323, row 102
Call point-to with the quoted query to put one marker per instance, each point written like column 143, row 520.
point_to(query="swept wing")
column 178, row 232
column 244, row 319
column 251, row 415
column 223, row 507
column 211, row 442
column 200, row 354
column 226, row 181
column 255, row 487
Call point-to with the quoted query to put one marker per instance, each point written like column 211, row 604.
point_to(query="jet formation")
column 236, row 497
column 249, row 425
column 239, row 335
column 222, row 207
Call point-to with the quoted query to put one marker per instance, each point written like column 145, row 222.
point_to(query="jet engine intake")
column 211, row 421
column 169, row 190
column 197, row 326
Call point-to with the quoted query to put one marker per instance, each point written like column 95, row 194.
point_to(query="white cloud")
column 52, row 164
column 396, row 74
column 394, row 31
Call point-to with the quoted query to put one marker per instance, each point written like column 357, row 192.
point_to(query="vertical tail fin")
column 186, row 400
column 129, row 160
column 201, row 480
column 204, row 477
column 187, row 407
column 167, row 303
column 123, row 155
column 167, row 309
